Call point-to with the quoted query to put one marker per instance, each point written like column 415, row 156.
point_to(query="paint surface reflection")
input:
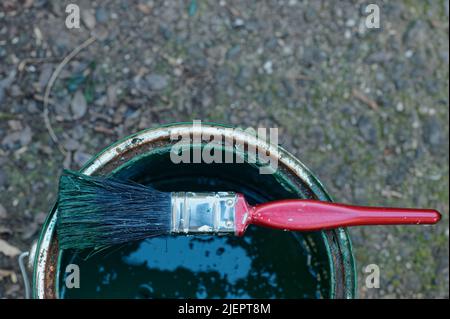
column 262, row 264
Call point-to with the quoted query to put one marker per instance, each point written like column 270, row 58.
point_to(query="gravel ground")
column 366, row 109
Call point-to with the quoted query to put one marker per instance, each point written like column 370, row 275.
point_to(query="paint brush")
column 100, row 211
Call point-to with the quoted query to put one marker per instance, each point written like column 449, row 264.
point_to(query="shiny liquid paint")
column 262, row 264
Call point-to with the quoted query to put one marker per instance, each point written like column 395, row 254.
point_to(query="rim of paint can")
column 337, row 242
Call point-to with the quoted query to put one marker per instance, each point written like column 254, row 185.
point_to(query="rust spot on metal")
column 129, row 153
column 50, row 271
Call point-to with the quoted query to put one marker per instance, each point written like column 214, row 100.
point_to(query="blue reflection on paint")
column 196, row 255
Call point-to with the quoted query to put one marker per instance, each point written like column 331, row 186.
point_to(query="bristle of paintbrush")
column 98, row 211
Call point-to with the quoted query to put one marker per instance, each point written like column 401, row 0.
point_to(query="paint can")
column 264, row 263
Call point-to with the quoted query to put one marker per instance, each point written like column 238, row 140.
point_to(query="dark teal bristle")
column 98, row 211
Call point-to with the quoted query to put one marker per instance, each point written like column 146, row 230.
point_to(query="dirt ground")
column 367, row 110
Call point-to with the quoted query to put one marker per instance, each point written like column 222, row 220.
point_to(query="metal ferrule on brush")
column 203, row 213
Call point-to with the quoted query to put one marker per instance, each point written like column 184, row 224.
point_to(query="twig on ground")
column 103, row 130
column 360, row 96
column 50, row 83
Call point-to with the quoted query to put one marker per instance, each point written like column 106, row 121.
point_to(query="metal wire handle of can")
column 23, row 270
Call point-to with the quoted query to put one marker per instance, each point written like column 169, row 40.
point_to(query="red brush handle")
column 310, row 215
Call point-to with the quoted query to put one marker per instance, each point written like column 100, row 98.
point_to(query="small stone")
column 177, row 71
column 40, row 218
column 432, row 133
column 111, row 95
column 88, row 19
column 165, row 32
column 244, row 75
column 30, row 230
column 367, row 129
column 8, row 249
column 310, row 14
column 22, row 137
column 15, row 125
column 67, row 160
column 44, row 76
column 30, row 165
column 101, row 15
column 271, row 44
column 350, row 23
column 238, row 23
column 400, row 107
column 78, row 105
column 5, row 231
column 268, row 67
column 32, row 107
column 287, row 50
column 80, row 158
column 312, row 55
column 101, row 101
column 156, row 82
column 409, row 53
column 144, row 8
column 347, row 34
column 71, row 145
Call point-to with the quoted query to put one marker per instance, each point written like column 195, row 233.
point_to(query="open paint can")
column 263, row 263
